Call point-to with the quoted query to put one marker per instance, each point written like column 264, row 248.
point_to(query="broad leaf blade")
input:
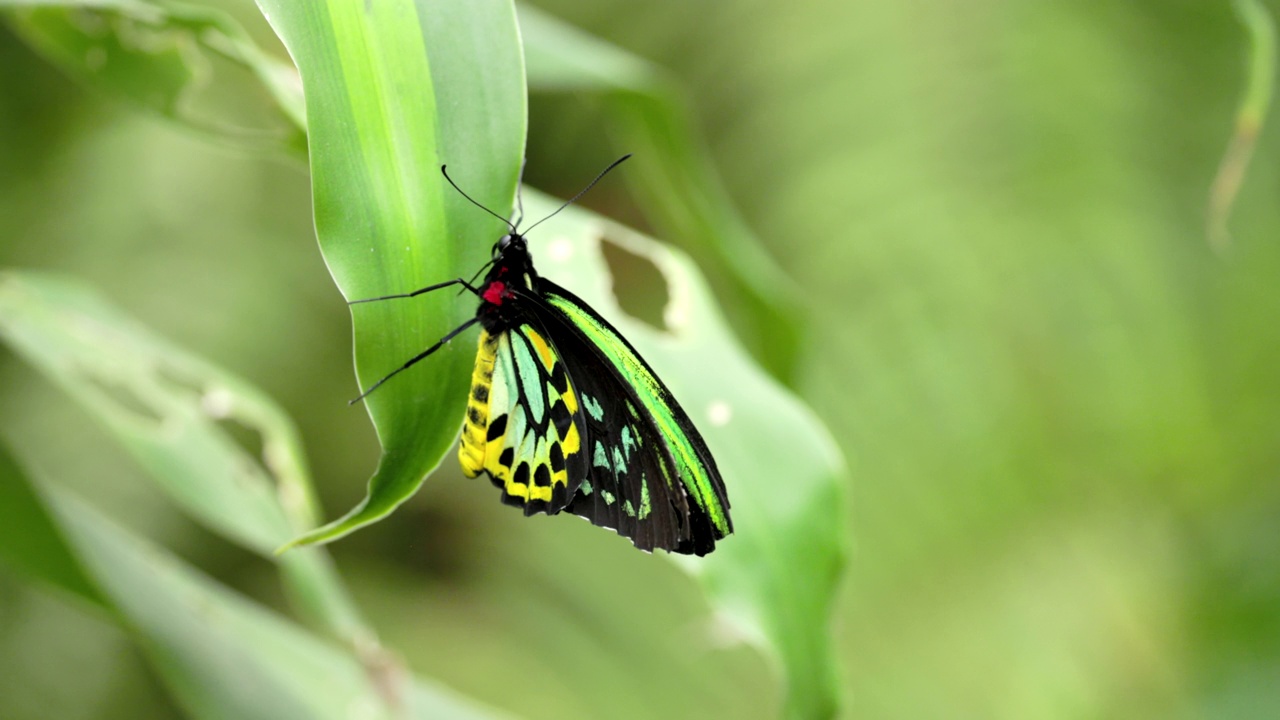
column 163, row 405
column 394, row 90
column 776, row 577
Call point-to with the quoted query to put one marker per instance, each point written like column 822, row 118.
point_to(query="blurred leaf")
column 29, row 541
column 675, row 179
column 1249, row 117
column 775, row 578
column 188, row 63
column 163, row 405
column 221, row 655
column 394, row 90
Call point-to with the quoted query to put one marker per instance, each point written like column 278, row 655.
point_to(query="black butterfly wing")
column 651, row 477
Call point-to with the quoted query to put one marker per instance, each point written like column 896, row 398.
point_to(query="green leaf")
column 221, row 655
column 30, row 543
column 395, row 89
column 190, row 64
column 776, row 577
column 163, row 405
column 675, row 179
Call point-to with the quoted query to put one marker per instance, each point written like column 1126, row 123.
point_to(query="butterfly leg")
column 467, row 286
column 438, row 286
column 443, row 341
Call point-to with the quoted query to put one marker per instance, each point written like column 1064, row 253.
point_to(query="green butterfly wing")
column 651, row 476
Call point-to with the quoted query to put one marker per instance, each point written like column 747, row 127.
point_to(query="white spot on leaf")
column 719, row 413
column 675, row 316
column 217, row 403
column 560, row 250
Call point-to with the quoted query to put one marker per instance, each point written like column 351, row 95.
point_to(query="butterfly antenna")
column 473, row 202
column 574, row 199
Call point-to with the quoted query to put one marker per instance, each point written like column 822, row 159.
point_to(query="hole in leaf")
column 638, row 284
column 217, row 403
column 246, row 438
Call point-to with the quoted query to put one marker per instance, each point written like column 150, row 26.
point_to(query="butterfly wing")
column 523, row 424
column 651, row 476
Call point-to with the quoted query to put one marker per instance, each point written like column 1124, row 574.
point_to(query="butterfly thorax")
column 512, row 274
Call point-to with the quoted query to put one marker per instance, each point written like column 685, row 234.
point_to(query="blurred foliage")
column 1061, row 406
column 170, row 411
column 185, row 62
column 220, row 654
column 679, row 192
column 375, row 188
column 1250, row 117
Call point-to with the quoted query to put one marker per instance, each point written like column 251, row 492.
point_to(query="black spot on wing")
column 561, row 417
column 559, row 378
column 497, row 428
column 542, row 477
column 559, row 497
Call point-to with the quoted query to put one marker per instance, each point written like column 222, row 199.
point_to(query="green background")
column 1060, row 407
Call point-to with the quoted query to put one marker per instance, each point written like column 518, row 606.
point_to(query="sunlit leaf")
column 394, row 90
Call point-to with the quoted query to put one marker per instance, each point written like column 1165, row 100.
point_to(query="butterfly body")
column 564, row 415
column 519, row 426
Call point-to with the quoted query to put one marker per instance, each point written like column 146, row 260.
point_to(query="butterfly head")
column 513, row 242
column 510, row 269
column 511, row 256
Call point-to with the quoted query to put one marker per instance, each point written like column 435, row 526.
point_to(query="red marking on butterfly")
column 495, row 293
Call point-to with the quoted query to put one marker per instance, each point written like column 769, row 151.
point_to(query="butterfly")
column 565, row 416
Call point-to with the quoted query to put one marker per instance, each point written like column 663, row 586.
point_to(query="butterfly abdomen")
column 475, row 428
